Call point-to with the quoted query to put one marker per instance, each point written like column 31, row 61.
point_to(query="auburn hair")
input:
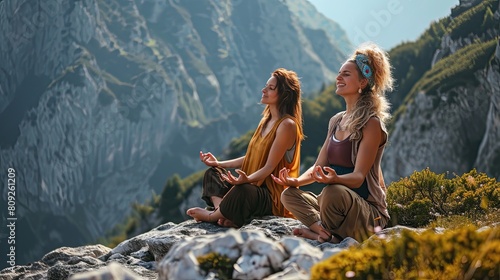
column 289, row 96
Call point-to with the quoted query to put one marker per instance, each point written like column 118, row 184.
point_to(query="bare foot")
column 306, row 233
column 226, row 223
column 315, row 232
column 199, row 214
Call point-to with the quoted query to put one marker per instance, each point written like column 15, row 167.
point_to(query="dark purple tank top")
column 339, row 158
column 339, row 152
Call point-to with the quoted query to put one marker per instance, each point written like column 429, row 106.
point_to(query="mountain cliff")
column 448, row 95
column 101, row 101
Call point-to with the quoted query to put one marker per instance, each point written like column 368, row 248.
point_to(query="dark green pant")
column 240, row 203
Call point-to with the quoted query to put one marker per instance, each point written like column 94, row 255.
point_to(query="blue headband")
column 366, row 70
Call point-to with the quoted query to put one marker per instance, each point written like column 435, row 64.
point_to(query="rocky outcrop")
column 102, row 101
column 488, row 156
column 263, row 249
column 169, row 251
column 442, row 131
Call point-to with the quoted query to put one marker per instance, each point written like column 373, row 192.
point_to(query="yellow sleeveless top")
column 256, row 157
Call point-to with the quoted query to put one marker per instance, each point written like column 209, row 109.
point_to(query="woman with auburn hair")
column 275, row 145
column 353, row 202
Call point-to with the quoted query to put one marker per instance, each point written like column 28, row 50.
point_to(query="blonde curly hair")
column 373, row 102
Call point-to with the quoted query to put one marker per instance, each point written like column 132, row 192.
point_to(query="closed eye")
column 270, row 87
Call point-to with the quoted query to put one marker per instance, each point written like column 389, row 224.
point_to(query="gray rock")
column 263, row 248
column 88, row 254
column 111, row 271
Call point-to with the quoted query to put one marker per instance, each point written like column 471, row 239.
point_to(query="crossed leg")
column 204, row 215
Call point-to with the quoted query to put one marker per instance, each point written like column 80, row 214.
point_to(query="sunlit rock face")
column 101, row 101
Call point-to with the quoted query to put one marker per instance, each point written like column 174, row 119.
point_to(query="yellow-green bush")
column 221, row 265
column 424, row 196
column 475, row 191
column 465, row 253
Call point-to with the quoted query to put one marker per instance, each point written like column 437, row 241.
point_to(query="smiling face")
column 348, row 80
column 270, row 92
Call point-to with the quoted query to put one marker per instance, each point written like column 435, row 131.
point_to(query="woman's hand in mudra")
column 208, row 159
column 241, row 179
column 320, row 176
column 284, row 178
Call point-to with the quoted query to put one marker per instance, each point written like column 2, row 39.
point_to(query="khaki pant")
column 342, row 211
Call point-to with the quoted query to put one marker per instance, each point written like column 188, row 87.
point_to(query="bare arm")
column 211, row 160
column 232, row 163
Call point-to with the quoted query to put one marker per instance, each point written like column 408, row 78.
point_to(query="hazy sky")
column 385, row 22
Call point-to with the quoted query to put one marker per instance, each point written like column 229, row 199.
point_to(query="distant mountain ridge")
column 101, row 101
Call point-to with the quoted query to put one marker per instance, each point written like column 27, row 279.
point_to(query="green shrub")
column 417, row 200
column 221, row 265
column 425, row 196
column 475, row 193
column 465, row 253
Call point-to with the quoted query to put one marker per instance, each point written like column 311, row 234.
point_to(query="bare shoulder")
column 373, row 127
column 373, row 122
column 288, row 125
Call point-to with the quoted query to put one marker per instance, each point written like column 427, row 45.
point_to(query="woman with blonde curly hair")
column 353, row 202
